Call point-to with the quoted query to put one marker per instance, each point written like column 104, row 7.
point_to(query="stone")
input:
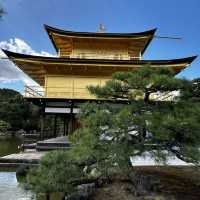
column 143, row 184
column 83, row 192
column 22, row 170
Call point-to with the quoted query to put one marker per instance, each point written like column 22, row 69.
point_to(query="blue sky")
column 179, row 18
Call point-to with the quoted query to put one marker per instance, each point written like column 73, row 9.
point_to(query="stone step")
column 30, row 141
column 14, row 165
column 49, row 148
column 21, row 161
column 31, row 136
column 29, row 146
column 53, row 144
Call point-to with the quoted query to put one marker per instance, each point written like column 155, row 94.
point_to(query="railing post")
column 25, row 91
column 73, row 90
column 33, row 91
column 45, row 91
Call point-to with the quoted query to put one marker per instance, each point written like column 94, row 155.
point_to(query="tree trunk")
column 146, row 97
column 47, row 196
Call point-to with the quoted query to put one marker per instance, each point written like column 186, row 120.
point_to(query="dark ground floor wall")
column 56, row 124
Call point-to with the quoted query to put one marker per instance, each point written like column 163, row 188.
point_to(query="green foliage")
column 56, row 172
column 143, row 123
column 192, row 91
column 97, row 139
column 138, row 83
column 4, row 126
column 17, row 112
column 8, row 94
column 113, row 132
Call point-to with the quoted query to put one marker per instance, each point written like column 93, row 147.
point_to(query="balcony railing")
column 57, row 92
column 81, row 93
column 34, row 91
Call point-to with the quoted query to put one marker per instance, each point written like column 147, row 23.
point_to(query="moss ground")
column 175, row 183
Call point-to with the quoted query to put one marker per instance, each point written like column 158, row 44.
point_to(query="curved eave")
column 50, row 29
column 149, row 33
column 13, row 55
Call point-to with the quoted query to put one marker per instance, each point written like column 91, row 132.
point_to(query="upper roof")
column 50, row 29
column 37, row 66
column 142, row 38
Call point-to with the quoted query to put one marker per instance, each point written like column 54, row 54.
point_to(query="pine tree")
column 131, row 119
column 156, row 115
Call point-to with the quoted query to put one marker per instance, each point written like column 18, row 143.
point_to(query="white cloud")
column 8, row 71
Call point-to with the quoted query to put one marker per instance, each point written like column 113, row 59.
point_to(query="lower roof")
column 38, row 66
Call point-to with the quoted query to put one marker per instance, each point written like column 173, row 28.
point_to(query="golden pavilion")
column 83, row 58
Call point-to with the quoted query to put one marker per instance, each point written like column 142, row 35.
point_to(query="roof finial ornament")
column 101, row 28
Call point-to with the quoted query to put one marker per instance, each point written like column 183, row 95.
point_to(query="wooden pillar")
column 55, row 126
column 42, row 120
column 70, row 124
column 65, row 125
